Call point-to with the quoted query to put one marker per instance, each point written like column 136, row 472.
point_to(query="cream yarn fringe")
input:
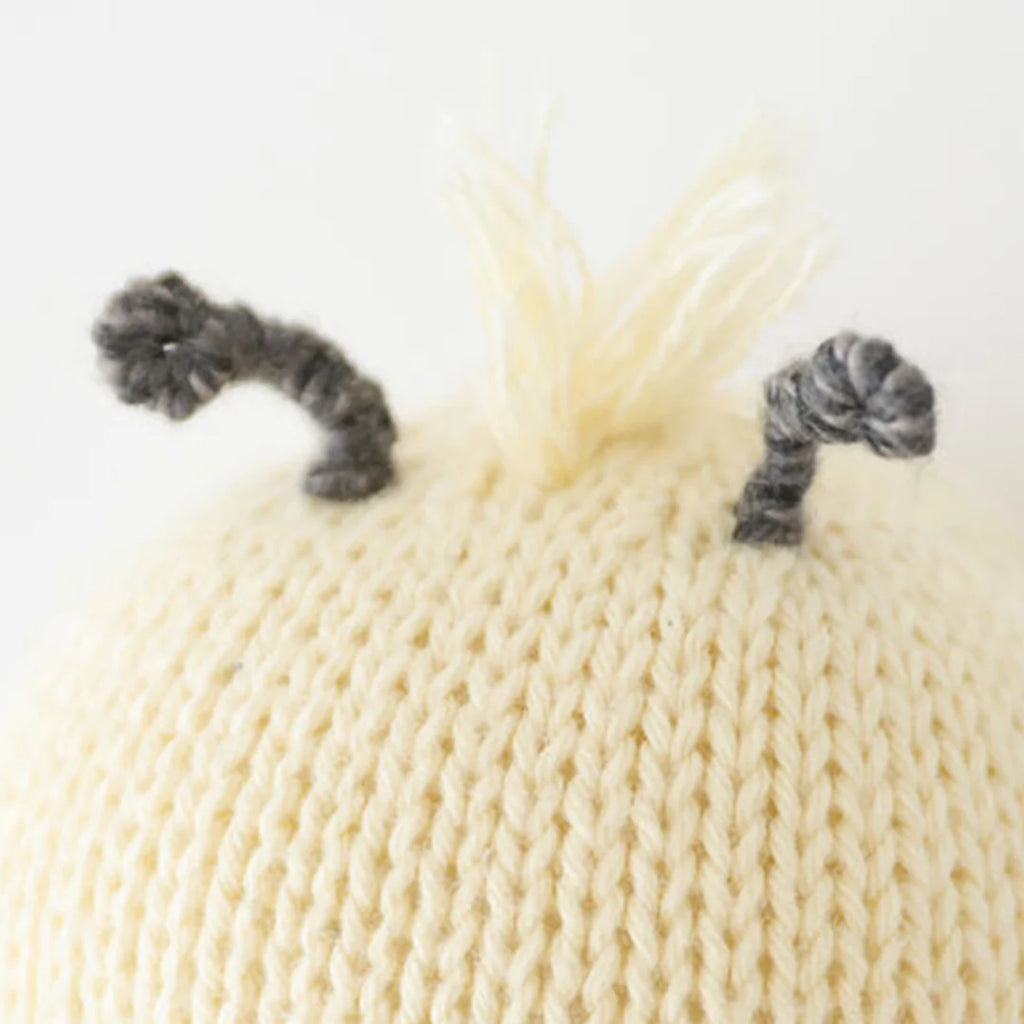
column 580, row 358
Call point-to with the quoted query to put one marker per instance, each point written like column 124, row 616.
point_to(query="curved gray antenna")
column 852, row 389
column 164, row 345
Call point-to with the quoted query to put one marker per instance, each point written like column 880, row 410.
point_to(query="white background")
column 280, row 153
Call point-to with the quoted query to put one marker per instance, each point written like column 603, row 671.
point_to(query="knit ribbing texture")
column 473, row 750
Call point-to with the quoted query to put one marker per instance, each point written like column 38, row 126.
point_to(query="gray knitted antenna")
column 852, row 389
column 164, row 345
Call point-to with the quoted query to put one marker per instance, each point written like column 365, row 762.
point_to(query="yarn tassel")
column 583, row 358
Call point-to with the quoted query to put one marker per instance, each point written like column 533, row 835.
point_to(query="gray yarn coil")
column 165, row 345
column 853, row 389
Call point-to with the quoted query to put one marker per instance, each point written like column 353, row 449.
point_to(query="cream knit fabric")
column 477, row 751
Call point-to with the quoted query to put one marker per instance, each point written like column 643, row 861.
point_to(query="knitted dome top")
column 475, row 750
column 578, row 715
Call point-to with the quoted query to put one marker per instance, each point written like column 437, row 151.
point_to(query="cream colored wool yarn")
column 482, row 749
column 479, row 751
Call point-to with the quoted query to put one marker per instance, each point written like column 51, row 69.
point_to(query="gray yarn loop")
column 165, row 345
column 852, row 389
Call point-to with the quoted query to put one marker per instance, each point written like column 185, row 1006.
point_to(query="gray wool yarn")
column 852, row 389
column 165, row 345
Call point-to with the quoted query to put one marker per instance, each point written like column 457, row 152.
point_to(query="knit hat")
column 529, row 725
